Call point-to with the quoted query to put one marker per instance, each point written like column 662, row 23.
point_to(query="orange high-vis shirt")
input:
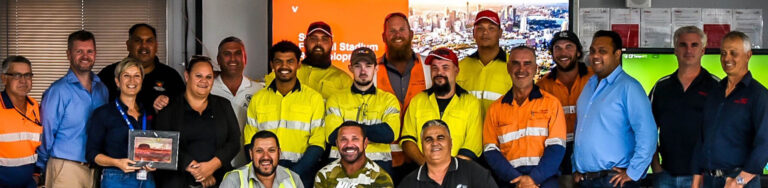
column 567, row 96
column 522, row 132
column 19, row 134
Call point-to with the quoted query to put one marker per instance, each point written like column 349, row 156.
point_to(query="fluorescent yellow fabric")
column 486, row 82
column 326, row 81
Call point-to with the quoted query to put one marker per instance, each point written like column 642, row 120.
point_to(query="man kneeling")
column 263, row 171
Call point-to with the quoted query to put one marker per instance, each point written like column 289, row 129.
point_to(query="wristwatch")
column 740, row 180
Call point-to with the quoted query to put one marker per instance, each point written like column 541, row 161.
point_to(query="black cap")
column 565, row 35
column 363, row 54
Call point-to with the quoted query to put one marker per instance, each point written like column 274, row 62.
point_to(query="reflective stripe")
column 20, row 136
column 487, row 95
column 569, row 137
column 395, row 148
column 18, row 161
column 334, row 111
column 530, row 131
column 489, row 147
column 244, row 180
column 290, row 178
column 291, row 156
column 391, row 110
column 375, row 156
column 525, row 161
column 297, row 125
column 370, row 121
column 569, row 109
column 554, row 141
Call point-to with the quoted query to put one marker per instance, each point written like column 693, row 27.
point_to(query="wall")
column 245, row 19
column 735, row 4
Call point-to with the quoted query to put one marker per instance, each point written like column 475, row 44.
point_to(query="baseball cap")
column 363, row 54
column 565, row 35
column 319, row 26
column 443, row 54
column 487, row 15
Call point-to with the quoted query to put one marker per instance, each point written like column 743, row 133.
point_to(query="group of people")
column 398, row 120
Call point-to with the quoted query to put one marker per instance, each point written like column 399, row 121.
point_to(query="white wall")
column 245, row 19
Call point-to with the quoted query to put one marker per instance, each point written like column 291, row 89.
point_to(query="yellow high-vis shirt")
column 486, row 82
column 296, row 119
column 326, row 81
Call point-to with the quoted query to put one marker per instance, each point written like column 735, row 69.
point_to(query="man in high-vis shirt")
column 264, row 169
column 316, row 71
column 524, row 132
column 483, row 73
column 446, row 101
column 376, row 110
column 292, row 111
column 20, row 128
column 565, row 83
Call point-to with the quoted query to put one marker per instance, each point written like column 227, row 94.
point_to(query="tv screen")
column 435, row 23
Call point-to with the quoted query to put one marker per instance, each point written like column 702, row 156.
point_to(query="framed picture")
column 159, row 149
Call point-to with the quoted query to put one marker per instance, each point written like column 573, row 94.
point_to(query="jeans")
column 666, row 180
column 115, row 178
column 711, row 181
column 605, row 182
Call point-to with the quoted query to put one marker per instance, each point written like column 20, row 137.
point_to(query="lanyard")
column 130, row 125
column 36, row 121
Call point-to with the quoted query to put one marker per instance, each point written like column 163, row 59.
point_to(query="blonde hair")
column 125, row 64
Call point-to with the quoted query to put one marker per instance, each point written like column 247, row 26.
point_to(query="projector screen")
column 435, row 23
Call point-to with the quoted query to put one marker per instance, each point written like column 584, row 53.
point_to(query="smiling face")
column 199, row 79
column 82, row 56
column 734, row 58
column 486, row 34
column 443, row 72
column 285, row 65
column 522, row 67
column 436, row 144
column 566, row 55
column 351, row 143
column 129, row 81
column 604, row 56
column 397, row 35
column 689, row 49
column 142, row 45
column 318, row 46
column 18, row 86
column 265, row 155
column 232, row 58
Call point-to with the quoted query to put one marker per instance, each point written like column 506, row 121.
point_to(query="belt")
column 596, row 175
column 722, row 172
column 76, row 162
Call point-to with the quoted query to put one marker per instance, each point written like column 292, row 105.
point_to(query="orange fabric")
column 19, row 131
column 521, row 131
column 416, row 85
column 567, row 96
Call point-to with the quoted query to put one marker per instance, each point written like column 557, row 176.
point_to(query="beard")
column 570, row 66
column 395, row 53
column 360, row 83
column 318, row 60
column 268, row 172
column 350, row 158
column 441, row 89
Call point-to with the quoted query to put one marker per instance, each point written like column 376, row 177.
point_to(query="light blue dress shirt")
column 65, row 110
column 615, row 126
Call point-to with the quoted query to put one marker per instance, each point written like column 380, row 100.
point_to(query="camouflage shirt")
column 371, row 175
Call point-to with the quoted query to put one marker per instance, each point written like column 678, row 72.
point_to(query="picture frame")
column 158, row 149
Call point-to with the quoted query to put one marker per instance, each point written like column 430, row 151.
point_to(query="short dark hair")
column 14, row 59
column 198, row 59
column 264, row 134
column 230, row 39
column 81, row 35
column 435, row 122
column 524, row 47
column 615, row 38
column 138, row 25
column 352, row 124
column 284, row 46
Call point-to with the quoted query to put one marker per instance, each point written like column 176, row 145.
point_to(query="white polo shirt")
column 239, row 101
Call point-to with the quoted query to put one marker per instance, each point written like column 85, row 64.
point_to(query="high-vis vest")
column 369, row 109
column 246, row 182
column 19, row 134
column 462, row 116
column 296, row 119
column 326, row 81
column 486, row 82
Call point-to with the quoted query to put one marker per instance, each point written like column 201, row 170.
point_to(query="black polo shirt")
column 163, row 80
column 678, row 115
column 461, row 173
column 735, row 132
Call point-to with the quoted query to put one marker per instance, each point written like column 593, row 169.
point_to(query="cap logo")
column 564, row 34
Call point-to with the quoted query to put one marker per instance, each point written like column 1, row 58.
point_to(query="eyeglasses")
column 19, row 76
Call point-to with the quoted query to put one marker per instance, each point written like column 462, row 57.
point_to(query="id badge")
column 141, row 175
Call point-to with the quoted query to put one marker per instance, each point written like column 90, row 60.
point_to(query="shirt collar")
column 510, row 96
column 613, row 76
column 280, row 174
column 371, row 90
column 296, row 87
column 581, row 67
column 245, row 83
column 501, row 56
column 703, row 74
column 459, row 91
column 8, row 104
column 423, row 174
column 72, row 78
column 746, row 80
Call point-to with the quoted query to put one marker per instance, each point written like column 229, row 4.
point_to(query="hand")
column 192, row 168
column 577, row 177
column 524, row 181
column 149, row 168
column 731, row 183
column 208, row 181
column 125, row 165
column 205, row 169
column 463, row 157
column 160, row 102
column 37, row 179
column 619, row 179
column 697, row 179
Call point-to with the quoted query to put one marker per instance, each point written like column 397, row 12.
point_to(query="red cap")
column 319, row 26
column 443, row 54
column 487, row 15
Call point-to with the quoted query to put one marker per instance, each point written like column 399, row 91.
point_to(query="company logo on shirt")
column 247, row 100
column 741, row 101
column 159, row 86
column 461, row 186
column 702, row 93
